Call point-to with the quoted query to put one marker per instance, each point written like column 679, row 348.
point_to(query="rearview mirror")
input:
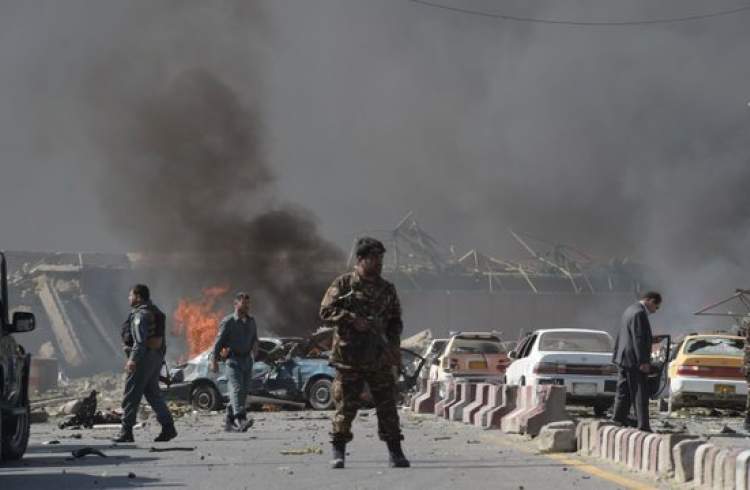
column 23, row 321
column 513, row 355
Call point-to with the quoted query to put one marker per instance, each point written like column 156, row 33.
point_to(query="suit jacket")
column 633, row 342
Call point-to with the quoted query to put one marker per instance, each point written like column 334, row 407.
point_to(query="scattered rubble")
column 85, row 451
column 557, row 437
column 301, row 451
column 167, row 449
column 39, row 416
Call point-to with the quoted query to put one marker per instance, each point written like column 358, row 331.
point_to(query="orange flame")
column 198, row 320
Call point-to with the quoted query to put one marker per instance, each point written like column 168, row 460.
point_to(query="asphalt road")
column 444, row 455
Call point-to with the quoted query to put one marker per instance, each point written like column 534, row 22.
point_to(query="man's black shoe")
column 125, row 435
column 244, row 425
column 396, row 455
column 168, row 432
column 339, row 455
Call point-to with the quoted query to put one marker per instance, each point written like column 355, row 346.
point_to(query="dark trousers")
column 144, row 381
column 632, row 389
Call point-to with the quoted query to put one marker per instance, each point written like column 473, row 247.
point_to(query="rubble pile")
column 94, row 400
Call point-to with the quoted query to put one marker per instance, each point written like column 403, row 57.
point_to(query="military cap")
column 368, row 246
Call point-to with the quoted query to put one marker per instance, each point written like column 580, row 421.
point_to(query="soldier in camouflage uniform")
column 365, row 311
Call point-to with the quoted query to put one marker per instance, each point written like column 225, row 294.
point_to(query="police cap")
column 369, row 246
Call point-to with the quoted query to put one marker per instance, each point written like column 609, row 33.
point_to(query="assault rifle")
column 376, row 323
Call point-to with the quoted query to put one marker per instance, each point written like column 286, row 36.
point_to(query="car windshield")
column 575, row 342
column 477, row 346
column 715, row 346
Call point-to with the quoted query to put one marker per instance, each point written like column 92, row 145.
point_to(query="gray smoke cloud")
column 622, row 141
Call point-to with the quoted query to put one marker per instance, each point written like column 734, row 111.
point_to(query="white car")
column 580, row 360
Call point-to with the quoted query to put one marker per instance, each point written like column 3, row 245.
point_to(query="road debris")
column 167, row 449
column 85, row 451
column 301, row 451
column 48, row 443
column 39, row 416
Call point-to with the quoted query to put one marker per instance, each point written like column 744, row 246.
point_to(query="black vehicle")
column 15, row 416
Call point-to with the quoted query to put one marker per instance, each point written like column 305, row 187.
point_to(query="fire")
column 198, row 320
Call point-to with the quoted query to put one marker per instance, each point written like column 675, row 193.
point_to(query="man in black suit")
column 632, row 355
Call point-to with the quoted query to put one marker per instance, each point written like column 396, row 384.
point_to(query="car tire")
column 205, row 397
column 15, row 435
column 320, row 394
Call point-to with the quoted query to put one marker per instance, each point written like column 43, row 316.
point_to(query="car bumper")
column 689, row 391
column 581, row 390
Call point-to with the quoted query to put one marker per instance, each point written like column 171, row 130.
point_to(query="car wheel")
column 320, row 394
column 15, row 435
column 206, row 397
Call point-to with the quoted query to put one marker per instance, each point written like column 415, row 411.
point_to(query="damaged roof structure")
column 417, row 261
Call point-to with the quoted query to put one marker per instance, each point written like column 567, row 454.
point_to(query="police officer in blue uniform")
column 146, row 331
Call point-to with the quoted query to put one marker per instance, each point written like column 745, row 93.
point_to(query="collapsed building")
column 80, row 298
column 555, row 285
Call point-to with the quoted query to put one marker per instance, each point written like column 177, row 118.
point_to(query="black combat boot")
column 397, row 458
column 339, row 455
column 168, row 432
column 125, row 435
column 747, row 422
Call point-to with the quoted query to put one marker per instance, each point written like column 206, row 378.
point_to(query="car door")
column 526, row 361
column 514, row 372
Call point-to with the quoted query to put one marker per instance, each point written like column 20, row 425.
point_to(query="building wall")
column 509, row 313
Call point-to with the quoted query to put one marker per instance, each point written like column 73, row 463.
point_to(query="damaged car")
column 706, row 369
column 287, row 372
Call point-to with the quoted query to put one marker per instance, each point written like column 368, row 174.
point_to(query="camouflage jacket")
column 349, row 297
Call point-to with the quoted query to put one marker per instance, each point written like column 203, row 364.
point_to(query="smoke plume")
column 629, row 141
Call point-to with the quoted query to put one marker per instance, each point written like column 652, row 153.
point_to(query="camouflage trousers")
column 347, row 394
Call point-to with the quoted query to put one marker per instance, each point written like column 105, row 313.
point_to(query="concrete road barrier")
column 422, row 389
column 450, row 397
column 425, row 403
column 663, row 455
column 536, row 406
column 481, row 397
column 506, row 398
column 714, row 467
column 456, row 411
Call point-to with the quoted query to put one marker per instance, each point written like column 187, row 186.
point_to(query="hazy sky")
column 621, row 140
